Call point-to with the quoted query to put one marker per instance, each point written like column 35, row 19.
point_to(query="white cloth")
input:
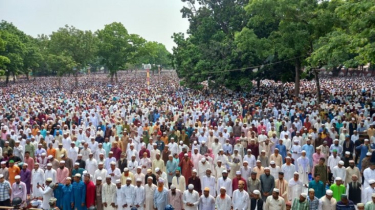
column 181, row 184
column 139, row 197
column 37, row 176
column 339, row 172
column 294, row 189
column 272, row 204
column 91, row 166
column 50, row 174
column 240, row 200
column 47, row 194
column 275, row 172
column 209, row 182
column 149, row 192
column 367, row 194
column 368, row 174
column 73, row 153
column 201, row 169
column 116, row 174
column 206, row 203
column 108, row 195
column 250, row 160
column 227, row 183
column 332, row 162
column 288, row 171
column 325, row 204
column 100, row 173
column 192, row 198
column 223, row 204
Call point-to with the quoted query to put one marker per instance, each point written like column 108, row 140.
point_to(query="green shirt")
column 338, row 191
column 370, row 205
column 30, row 148
column 297, row 205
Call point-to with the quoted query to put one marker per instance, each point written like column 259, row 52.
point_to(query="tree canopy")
column 70, row 50
column 235, row 41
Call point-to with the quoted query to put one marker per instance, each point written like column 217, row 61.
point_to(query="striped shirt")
column 297, row 205
column 4, row 191
column 313, row 204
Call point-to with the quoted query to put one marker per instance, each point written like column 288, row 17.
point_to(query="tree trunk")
column 76, row 79
column 336, row 71
column 297, row 78
column 258, row 84
column 27, row 77
column 111, row 78
column 7, row 80
column 14, row 78
column 318, row 86
column 116, row 77
column 59, row 80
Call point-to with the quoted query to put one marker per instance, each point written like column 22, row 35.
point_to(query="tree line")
column 231, row 42
column 69, row 51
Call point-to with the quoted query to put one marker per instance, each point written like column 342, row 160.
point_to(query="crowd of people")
column 132, row 146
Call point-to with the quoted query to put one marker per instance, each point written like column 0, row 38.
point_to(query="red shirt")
column 90, row 194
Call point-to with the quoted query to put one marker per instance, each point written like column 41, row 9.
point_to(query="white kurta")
column 37, row 176
column 47, row 193
column 181, row 184
column 288, row 171
column 367, row 193
column 223, row 204
column 303, row 167
column 73, row 153
column 209, row 182
column 272, row 204
column 99, row 173
column 132, row 166
column 149, row 198
column 51, row 174
column 250, row 160
column 275, row 171
column 206, row 203
column 108, row 195
column 139, row 197
column 202, row 168
column 192, row 198
column 240, row 200
column 91, row 165
column 294, row 189
column 128, row 195
column 227, row 183
column 339, row 172
column 116, row 174
column 325, row 204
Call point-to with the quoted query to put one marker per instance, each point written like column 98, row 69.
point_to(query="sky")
column 154, row 20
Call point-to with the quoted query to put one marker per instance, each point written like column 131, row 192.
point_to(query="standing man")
column 128, row 194
column 139, row 201
column 274, row 201
column 241, row 199
column 90, row 191
column 318, row 186
column 108, row 194
column 19, row 189
column 175, row 198
column 295, row 187
column 5, row 191
column 26, row 177
column 327, row 202
column 223, row 201
column 225, row 182
column 282, row 185
column 161, row 196
column 46, row 192
column 209, row 181
column 179, row 181
column 190, row 198
column 300, row 203
column 303, row 167
column 338, row 189
column 256, row 202
column 267, row 183
column 37, row 178
column 353, row 190
column 149, row 191
column 313, row 200
column 79, row 193
column 206, row 201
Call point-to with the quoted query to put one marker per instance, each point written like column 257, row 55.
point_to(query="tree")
column 62, row 64
column 117, row 47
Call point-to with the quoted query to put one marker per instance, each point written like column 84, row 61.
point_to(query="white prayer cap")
column 303, row 151
column 113, row 163
column 62, row 161
column 347, row 153
column 276, row 190
column 249, row 150
column 79, row 155
column 224, row 171
column 223, row 188
column 128, row 179
column 190, row 186
column 1, row 176
column 256, row 192
column 99, row 178
column 68, row 178
column 195, row 148
column 296, row 173
column 287, row 157
column 126, row 169
column 186, row 154
column 25, row 164
column 368, row 154
column 62, row 155
column 139, row 167
column 203, row 159
column 195, row 142
column 304, row 195
column 238, row 172
column 272, row 162
column 366, row 140
column 84, row 172
column 139, row 180
column 373, row 195
column 371, row 181
column 329, row 192
column 77, row 175
column 266, row 168
column 336, row 140
column 17, row 177
column 338, row 179
column 265, row 150
column 118, row 181
column 49, row 164
column 100, row 163
column 161, row 180
column 157, row 169
column 341, row 162
column 3, row 162
column 173, row 187
column 258, row 161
